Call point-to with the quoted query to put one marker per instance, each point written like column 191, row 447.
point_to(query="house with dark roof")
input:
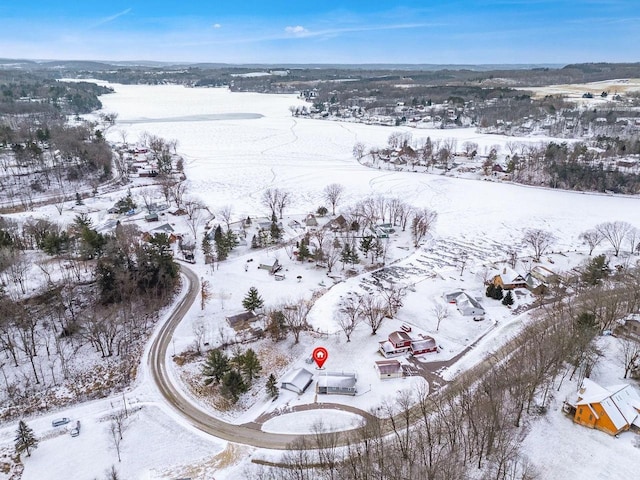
column 241, row 320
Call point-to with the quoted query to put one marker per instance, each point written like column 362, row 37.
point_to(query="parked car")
column 60, row 421
column 75, row 431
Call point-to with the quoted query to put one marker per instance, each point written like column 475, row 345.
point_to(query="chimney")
column 504, row 271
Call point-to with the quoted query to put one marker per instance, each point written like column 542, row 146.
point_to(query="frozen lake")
column 236, row 145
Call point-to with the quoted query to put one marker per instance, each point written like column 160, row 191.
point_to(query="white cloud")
column 104, row 20
column 297, row 30
column 216, row 25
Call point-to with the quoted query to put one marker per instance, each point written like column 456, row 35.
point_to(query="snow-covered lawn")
column 312, row 421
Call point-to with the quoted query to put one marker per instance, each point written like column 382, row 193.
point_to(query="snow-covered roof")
column 388, row 366
column 620, row 402
column 509, row 275
column 297, row 380
column 423, row 343
column 337, row 380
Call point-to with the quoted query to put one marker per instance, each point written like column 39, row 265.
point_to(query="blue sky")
column 324, row 31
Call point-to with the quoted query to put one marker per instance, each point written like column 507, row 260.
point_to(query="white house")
column 297, row 381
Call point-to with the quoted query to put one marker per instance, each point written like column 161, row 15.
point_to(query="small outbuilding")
column 388, row 369
column 241, row 320
column 423, row 345
column 297, row 381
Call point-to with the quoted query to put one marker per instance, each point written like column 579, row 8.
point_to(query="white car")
column 75, row 431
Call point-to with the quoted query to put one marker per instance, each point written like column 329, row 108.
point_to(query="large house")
column 612, row 409
column 465, row 303
column 398, row 343
column 509, row 279
column 338, row 383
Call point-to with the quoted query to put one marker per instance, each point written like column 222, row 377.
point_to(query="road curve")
column 157, row 360
column 252, row 435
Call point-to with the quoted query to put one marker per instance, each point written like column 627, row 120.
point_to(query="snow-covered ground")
column 235, row 146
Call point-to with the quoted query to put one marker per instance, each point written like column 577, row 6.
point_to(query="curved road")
column 250, row 434
column 157, row 360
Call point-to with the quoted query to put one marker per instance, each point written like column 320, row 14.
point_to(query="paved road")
column 157, row 360
column 250, row 434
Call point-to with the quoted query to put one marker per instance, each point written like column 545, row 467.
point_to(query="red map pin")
column 320, row 355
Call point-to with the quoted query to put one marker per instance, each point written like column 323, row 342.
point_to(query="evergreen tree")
column 497, row 293
column 276, row 233
column 222, row 244
column 322, row 211
column 207, row 249
column 233, row 385
column 25, row 439
column 491, row 288
column 596, row 269
column 79, row 199
column 303, row 250
column 254, row 242
column 366, row 244
column 508, row 299
column 247, row 221
column 250, row 365
column 272, row 387
column 216, row 367
column 345, row 255
column 253, row 300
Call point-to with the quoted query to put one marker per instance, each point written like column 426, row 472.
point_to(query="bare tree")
column 421, row 224
column 295, row 316
column 358, row 150
column 270, row 199
column 178, row 191
column 393, row 296
column 225, row 213
column 284, row 200
column 196, row 216
column 374, row 311
column 147, row 195
column 592, row 238
column 441, row 312
column 539, row 240
column 332, row 193
column 632, row 239
column 614, row 233
column 350, row 310
column 629, row 354
column 117, row 426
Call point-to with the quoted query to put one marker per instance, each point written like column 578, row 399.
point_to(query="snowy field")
column 235, row 146
column 233, row 161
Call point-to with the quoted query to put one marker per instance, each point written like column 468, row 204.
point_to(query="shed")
column 426, row 344
column 297, row 381
column 241, row 320
column 337, row 383
column 388, row 369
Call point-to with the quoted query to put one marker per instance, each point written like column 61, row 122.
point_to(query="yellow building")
column 612, row 409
